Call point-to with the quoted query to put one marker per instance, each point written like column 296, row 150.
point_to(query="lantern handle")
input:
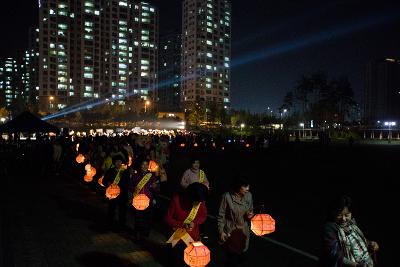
column 259, row 207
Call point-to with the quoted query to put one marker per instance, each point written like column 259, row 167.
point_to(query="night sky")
column 273, row 42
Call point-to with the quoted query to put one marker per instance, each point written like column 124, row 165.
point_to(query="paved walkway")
column 59, row 223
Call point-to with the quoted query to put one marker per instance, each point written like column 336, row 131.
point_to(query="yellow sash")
column 141, row 184
column 181, row 233
column 202, row 177
column 193, row 213
column 118, row 176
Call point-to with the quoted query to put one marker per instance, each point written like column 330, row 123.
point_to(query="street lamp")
column 390, row 123
column 241, row 128
column 146, row 103
column 51, row 98
column 302, row 125
column 284, row 112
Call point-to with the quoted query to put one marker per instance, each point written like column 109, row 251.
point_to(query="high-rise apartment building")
column 10, row 82
column 382, row 91
column 30, row 70
column 169, row 86
column 92, row 49
column 206, row 51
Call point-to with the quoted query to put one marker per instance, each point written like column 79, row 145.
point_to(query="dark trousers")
column 232, row 259
column 113, row 205
column 142, row 221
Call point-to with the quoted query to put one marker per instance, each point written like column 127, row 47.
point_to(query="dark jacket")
column 331, row 250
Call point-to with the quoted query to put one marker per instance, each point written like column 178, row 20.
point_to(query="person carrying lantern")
column 142, row 182
column 234, row 215
column 186, row 211
column 194, row 174
column 343, row 243
column 114, row 176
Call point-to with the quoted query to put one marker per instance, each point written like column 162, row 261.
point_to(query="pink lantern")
column 113, row 191
column 196, row 255
column 153, row 166
column 100, row 181
column 141, row 202
column 262, row 224
column 80, row 158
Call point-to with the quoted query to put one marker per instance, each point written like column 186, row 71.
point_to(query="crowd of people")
column 139, row 164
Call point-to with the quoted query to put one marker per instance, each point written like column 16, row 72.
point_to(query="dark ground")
column 296, row 182
column 57, row 221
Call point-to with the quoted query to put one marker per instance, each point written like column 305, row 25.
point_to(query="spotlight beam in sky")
column 313, row 39
column 299, row 20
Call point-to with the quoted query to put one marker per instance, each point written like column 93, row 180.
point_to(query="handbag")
column 236, row 242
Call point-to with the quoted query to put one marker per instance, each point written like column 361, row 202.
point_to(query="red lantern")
column 141, row 202
column 100, row 181
column 262, row 224
column 196, row 255
column 113, row 191
column 153, row 166
column 80, row 158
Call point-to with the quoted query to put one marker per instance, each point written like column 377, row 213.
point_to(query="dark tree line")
column 318, row 98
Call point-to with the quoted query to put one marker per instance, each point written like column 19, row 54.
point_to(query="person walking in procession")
column 234, row 215
column 194, row 174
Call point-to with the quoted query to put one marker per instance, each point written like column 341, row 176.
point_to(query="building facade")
column 30, row 70
column 10, row 82
column 206, row 52
column 96, row 49
column 382, row 91
column 169, row 87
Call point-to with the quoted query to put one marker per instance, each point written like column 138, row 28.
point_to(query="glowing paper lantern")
column 196, row 255
column 80, row 158
column 90, row 173
column 153, row 166
column 113, row 191
column 141, row 202
column 87, row 167
column 195, row 145
column 262, row 224
column 88, row 178
column 100, row 181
